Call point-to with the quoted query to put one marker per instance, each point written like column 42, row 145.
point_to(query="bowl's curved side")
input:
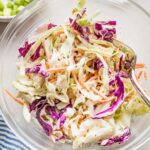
column 6, row 19
column 6, row 36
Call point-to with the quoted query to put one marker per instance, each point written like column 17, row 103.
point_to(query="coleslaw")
column 72, row 79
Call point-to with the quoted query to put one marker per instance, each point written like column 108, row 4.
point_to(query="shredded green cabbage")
column 71, row 78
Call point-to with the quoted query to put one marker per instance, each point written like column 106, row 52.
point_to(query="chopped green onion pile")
column 12, row 7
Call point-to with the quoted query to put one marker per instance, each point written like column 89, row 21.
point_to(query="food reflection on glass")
column 74, row 81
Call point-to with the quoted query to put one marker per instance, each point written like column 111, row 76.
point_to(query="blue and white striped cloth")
column 8, row 141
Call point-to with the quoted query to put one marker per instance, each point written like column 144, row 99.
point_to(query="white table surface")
column 146, row 5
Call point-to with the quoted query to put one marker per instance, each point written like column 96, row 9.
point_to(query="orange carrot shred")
column 140, row 75
column 57, row 69
column 73, row 100
column 13, row 97
column 58, row 32
column 83, row 86
column 93, row 78
column 53, row 80
column 75, row 77
column 139, row 66
column 145, row 75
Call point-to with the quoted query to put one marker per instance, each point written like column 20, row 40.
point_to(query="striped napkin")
column 8, row 141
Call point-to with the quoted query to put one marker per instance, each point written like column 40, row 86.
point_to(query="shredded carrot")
column 97, row 92
column 29, row 75
column 140, row 75
column 58, row 32
column 112, row 71
column 117, row 66
column 99, row 81
column 75, row 77
column 104, row 100
column 93, row 78
column 82, row 117
column 79, row 82
column 145, row 75
column 89, row 75
column 83, row 85
column 76, row 80
column 57, row 69
column 139, row 66
column 101, row 101
column 53, row 80
column 73, row 100
column 75, row 31
column 13, row 97
column 84, row 78
column 47, row 65
column 48, row 55
column 91, row 89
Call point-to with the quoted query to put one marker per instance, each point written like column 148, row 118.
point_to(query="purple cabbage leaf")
column 118, row 139
column 119, row 93
column 24, row 50
column 37, row 69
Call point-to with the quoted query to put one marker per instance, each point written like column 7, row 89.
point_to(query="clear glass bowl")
column 133, row 29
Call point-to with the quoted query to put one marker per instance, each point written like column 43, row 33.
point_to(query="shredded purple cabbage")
column 24, row 50
column 65, row 109
column 97, row 64
column 120, row 63
column 118, row 139
column 50, row 25
column 112, row 82
column 37, row 69
column 62, row 120
column 38, row 106
column 52, row 112
column 119, row 93
column 111, row 23
column 33, row 105
column 62, row 117
column 36, row 55
column 128, row 64
column 70, row 20
column 82, row 30
column 57, row 101
column 111, row 92
column 108, row 35
column 60, row 138
column 36, row 103
column 45, row 125
column 98, row 26
column 123, row 74
column 112, row 30
column 105, row 33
